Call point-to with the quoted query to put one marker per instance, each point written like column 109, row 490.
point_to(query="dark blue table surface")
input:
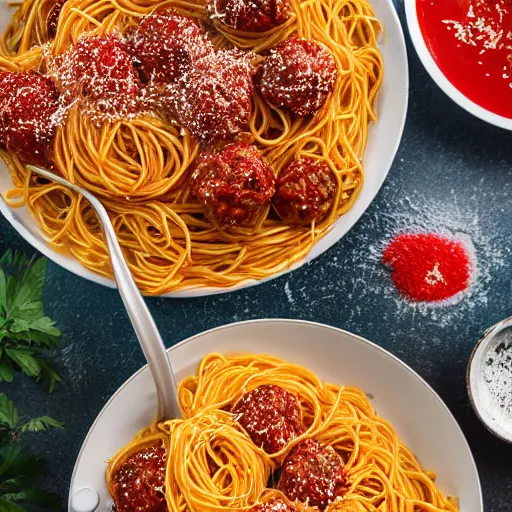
column 451, row 172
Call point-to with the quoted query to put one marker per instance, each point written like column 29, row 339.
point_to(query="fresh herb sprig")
column 26, row 333
column 19, row 470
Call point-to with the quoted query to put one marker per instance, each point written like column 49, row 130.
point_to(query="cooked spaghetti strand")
column 214, row 466
column 140, row 167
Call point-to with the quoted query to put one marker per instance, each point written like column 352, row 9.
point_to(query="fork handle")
column 143, row 323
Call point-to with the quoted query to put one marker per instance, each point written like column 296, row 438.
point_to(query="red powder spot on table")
column 428, row 267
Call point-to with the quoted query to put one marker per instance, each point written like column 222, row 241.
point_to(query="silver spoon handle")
column 140, row 317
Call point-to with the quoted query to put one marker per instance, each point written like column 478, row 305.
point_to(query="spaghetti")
column 213, row 463
column 139, row 165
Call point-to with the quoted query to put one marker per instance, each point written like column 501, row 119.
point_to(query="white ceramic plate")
column 400, row 395
column 438, row 76
column 382, row 145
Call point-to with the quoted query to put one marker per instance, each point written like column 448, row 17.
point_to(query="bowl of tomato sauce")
column 466, row 47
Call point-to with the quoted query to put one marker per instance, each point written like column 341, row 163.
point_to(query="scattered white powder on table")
column 363, row 277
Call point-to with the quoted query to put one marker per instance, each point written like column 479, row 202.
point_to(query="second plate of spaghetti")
column 274, row 422
column 229, row 141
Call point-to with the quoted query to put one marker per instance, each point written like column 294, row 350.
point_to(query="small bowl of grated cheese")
column 489, row 379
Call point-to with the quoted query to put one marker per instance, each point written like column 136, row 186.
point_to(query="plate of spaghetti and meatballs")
column 229, row 140
column 272, row 422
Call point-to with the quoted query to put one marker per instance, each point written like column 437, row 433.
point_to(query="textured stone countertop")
column 451, row 172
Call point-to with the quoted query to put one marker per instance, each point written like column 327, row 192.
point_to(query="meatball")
column 166, row 45
column 214, row 101
column 250, row 15
column 100, row 71
column 275, row 505
column 313, row 473
column 233, row 183
column 299, row 74
column 139, row 484
column 304, row 191
column 271, row 416
column 28, row 106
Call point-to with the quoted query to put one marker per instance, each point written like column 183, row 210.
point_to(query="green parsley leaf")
column 10, row 506
column 3, row 290
column 14, row 259
column 45, row 500
column 26, row 333
column 22, row 466
column 42, row 324
column 6, row 369
column 41, row 424
column 11, row 485
column 48, row 376
column 10, row 456
column 25, row 360
column 20, row 470
column 15, row 496
column 26, row 288
column 8, row 413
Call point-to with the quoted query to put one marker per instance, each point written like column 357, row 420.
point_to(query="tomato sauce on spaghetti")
column 471, row 42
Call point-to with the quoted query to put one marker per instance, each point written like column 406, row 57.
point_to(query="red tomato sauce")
column 471, row 42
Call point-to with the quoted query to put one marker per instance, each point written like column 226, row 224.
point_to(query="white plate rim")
column 359, row 338
column 326, row 242
column 440, row 79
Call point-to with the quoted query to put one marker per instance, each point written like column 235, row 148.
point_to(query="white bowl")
column 438, row 76
column 399, row 395
column 383, row 142
column 495, row 419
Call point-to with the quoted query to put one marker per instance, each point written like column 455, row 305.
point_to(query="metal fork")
column 143, row 323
